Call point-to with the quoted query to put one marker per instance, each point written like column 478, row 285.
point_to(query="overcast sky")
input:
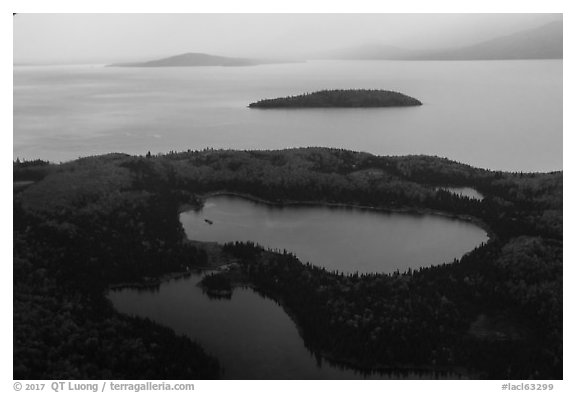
column 65, row 38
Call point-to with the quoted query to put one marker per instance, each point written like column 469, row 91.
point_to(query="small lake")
column 343, row 239
column 252, row 336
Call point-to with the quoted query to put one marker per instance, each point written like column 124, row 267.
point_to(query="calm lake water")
column 347, row 240
column 496, row 114
column 252, row 337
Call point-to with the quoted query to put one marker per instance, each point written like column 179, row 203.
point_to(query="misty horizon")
column 103, row 38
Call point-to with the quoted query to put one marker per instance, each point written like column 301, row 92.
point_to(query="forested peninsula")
column 83, row 226
column 353, row 98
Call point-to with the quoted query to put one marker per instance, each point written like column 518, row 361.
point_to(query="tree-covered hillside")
column 84, row 225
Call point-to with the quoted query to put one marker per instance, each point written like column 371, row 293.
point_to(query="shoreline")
column 326, row 356
column 154, row 282
column 242, row 282
column 331, row 359
column 408, row 210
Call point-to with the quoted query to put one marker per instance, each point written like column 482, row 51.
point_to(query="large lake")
column 496, row 114
column 347, row 240
column 252, row 337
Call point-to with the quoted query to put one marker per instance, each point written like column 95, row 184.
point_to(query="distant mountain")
column 199, row 60
column 543, row 42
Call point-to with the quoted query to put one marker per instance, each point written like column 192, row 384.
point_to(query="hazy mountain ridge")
column 543, row 42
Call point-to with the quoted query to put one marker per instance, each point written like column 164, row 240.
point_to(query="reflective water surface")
column 504, row 115
column 252, row 336
column 347, row 240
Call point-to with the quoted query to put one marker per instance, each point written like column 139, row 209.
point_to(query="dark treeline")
column 358, row 98
column 424, row 318
column 515, row 203
column 101, row 220
column 30, row 170
column 29, row 163
column 68, row 251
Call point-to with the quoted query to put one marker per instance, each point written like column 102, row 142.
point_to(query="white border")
column 303, row 6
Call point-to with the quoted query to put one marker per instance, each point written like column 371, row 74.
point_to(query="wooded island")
column 354, row 98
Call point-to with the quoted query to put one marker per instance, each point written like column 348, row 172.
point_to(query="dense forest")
column 359, row 98
column 84, row 225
